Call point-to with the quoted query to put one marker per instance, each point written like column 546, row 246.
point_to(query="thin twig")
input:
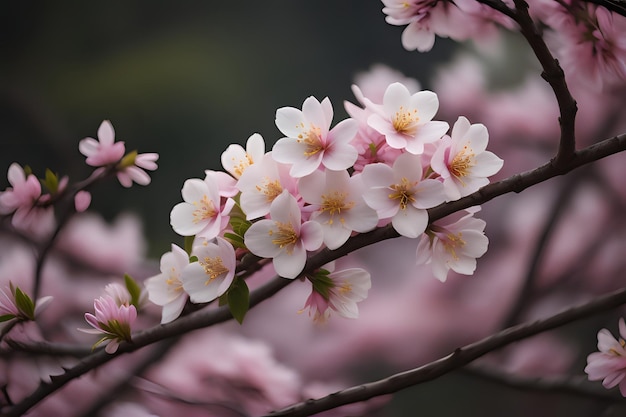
column 459, row 358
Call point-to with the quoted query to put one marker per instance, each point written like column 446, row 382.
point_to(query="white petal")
column 106, row 134
column 427, row 105
column 258, row 239
column 289, row 265
column 172, row 310
column 290, row 121
column 410, row 222
column 181, row 220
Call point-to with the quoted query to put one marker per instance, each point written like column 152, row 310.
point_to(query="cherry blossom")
column 236, row 160
column 284, row 238
column 406, row 119
column 200, row 214
column 133, row 166
column 310, row 142
column 23, row 193
column 166, row 288
column 339, row 291
column 336, row 200
column 609, row 364
column 261, row 183
column 103, row 151
column 82, row 200
column 212, row 274
column 400, row 193
column 461, row 159
column 112, row 321
column 453, row 242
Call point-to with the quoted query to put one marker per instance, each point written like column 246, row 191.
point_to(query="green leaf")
column 6, row 317
column 235, row 240
column 222, row 300
column 134, row 289
column 239, row 299
column 51, row 181
column 24, row 304
column 189, row 244
column 193, row 259
column 240, row 225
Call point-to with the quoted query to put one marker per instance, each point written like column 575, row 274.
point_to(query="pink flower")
column 236, row 160
column 112, row 321
column 310, row 142
column 23, row 194
column 461, row 159
column 339, row 291
column 610, row 363
column 405, row 119
column 133, row 170
column 284, row 238
column 453, row 243
column 400, row 193
column 103, row 151
column 166, row 288
column 212, row 275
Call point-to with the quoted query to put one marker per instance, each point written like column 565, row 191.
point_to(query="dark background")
column 182, row 79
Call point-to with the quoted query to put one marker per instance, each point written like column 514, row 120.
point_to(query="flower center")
column 462, row 163
column 452, row 242
column 312, row 140
column 242, row 165
column 213, row 267
column 173, row 282
column 345, row 288
column 284, row 235
column 405, row 121
column 271, row 189
column 403, row 192
column 614, row 352
column 334, row 203
column 204, row 211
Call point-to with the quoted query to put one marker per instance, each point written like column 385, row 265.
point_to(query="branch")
column 578, row 386
column 48, row 349
column 453, row 361
column 209, row 317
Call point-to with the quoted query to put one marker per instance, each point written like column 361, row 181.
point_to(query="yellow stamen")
column 462, row 163
column 334, row 203
column 173, row 281
column 453, row 242
column 213, row 267
column 271, row 189
column 403, row 192
column 312, row 139
column 242, row 165
column 205, row 210
column 285, row 235
column 405, row 121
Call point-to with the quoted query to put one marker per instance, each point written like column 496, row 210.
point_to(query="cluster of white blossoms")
column 388, row 163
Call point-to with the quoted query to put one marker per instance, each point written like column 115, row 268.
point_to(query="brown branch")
column 209, row 317
column 459, row 358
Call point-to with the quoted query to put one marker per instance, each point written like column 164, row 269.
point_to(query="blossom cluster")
column 388, row 163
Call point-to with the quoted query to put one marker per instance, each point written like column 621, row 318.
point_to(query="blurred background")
column 183, row 79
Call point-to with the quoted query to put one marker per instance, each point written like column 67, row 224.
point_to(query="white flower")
column 309, row 141
column 338, row 203
column 284, row 238
column 200, row 213
column 166, row 288
column 235, row 159
column 400, row 193
column 405, row 119
column 461, row 160
column 261, row 183
column 212, row 275
column 453, row 243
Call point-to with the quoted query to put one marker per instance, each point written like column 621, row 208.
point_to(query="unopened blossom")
column 609, row 364
column 112, row 321
column 336, row 202
column 310, row 142
column 133, row 168
column 462, row 161
column 338, row 291
column 119, row 293
column 166, row 288
column 453, row 242
column 261, row 183
column 283, row 237
column 82, row 200
column 209, row 277
column 200, row 214
column 11, row 308
column 406, row 119
column 400, row 193
column 235, row 159
column 103, row 151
